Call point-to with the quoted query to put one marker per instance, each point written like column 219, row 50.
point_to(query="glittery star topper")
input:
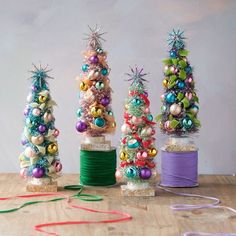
column 136, row 76
column 40, row 73
column 94, row 37
column 176, row 39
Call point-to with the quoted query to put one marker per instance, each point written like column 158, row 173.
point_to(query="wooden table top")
column 151, row 215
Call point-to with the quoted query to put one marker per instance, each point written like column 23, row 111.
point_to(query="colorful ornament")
column 110, row 113
column 136, row 102
column 124, row 156
column 165, row 83
column 104, row 71
column 105, row 101
column 136, row 120
column 81, row 126
column 173, row 54
column 96, row 111
column 146, row 131
column 48, row 117
column 94, row 59
column 99, row 50
column 118, row 175
column 79, row 112
column 29, row 152
column 150, row 117
column 93, row 74
column 188, row 69
column 163, row 108
column 58, row 166
column 131, row 172
column 113, row 124
column 152, row 152
column 125, row 129
column 37, row 140
column 187, row 123
column 29, row 98
column 145, row 173
column 83, row 86
column 170, row 98
column 56, row 133
column 100, row 122
column 167, row 126
column 52, row 148
column 142, row 155
column 23, row 173
column 38, row 172
column 34, row 88
column 85, row 67
column 42, row 98
column 26, row 111
column 194, row 109
column 175, row 109
column 189, row 96
column 99, row 85
column 133, row 143
column 42, row 129
column 36, row 112
column 181, row 85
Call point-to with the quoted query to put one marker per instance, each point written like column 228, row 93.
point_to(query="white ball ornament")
column 93, row 74
column 37, row 139
column 125, row 129
column 29, row 98
column 29, row 152
column 175, row 109
column 48, row 117
column 36, row 112
column 146, row 131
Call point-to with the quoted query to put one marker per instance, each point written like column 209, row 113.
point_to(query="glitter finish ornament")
column 145, row 173
column 175, row 109
column 81, row 126
column 38, row 172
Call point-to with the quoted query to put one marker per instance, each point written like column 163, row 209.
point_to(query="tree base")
column 146, row 192
column 41, row 185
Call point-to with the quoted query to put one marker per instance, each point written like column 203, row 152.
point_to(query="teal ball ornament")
column 187, row 123
column 170, row 98
column 173, row 54
column 194, row 109
column 133, row 143
column 150, row 117
column 99, row 85
column 79, row 112
column 110, row 113
column 104, row 71
column 181, row 85
column 188, row 69
column 136, row 102
column 85, row 67
column 100, row 122
column 131, row 172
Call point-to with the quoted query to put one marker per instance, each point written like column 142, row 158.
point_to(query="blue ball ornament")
column 79, row 112
column 181, row 85
column 131, row 172
column 136, row 102
column 85, row 67
column 100, row 122
column 187, row 123
column 170, row 98
column 133, row 143
column 150, row 117
column 194, row 109
column 173, row 54
column 188, row 69
column 104, row 71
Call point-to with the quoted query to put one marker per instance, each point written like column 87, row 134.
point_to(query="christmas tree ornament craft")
column 178, row 118
column 39, row 161
column 95, row 115
column 137, row 147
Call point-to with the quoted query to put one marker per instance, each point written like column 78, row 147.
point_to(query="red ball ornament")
column 150, row 164
column 140, row 163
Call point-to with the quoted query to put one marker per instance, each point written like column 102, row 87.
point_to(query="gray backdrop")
column 52, row 31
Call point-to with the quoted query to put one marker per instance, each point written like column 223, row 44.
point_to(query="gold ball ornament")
column 113, row 125
column 96, row 111
column 52, row 148
column 83, row 86
column 124, row 156
column 152, row 152
column 42, row 98
column 175, row 109
column 165, row 83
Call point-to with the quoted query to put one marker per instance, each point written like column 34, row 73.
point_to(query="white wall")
column 52, row 32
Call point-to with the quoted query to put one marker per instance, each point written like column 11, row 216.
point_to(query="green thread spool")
column 97, row 168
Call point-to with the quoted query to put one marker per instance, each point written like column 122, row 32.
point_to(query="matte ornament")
column 99, row 85
column 52, row 148
column 85, row 67
column 170, row 98
column 131, row 172
column 83, row 86
column 37, row 140
column 36, row 112
column 150, row 117
column 173, row 54
column 133, row 143
column 194, row 109
column 81, row 126
column 145, row 173
column 100, row 122
column 136, row 102
column 105, row 101
column 104, row 71
column 187, row 123
column 181, row 85
column 94, row 59
column 175, row 109
column 38, row 172
column 29, row 152
column 42, row 128
column 152, row 152
column 96, row 111
column 124, row 156
column 42, row 99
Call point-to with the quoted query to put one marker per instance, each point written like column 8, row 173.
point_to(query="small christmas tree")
column 137, row 143
column 179, row 109
column 39, row 162
column 95, row 113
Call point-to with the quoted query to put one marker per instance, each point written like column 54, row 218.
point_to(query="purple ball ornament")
column 34, row 88
column 38, row 172
column 94, row 59
column 42, row 128
column 24, row 141
column 105, row 101
column 81, row 126
column 145, row 173
column 26, row 111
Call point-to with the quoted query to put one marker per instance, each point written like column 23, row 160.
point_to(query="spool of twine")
column 97, row 168
column 179, row 169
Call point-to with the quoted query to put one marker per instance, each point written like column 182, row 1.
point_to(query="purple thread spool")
column 179, row 169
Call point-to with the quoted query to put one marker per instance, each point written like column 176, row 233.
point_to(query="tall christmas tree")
column 180, row 101
column 39, row 162
column 137, row 150
column 95, row 115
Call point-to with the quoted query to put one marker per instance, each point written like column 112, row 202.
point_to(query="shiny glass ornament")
column 52, row 148
column 83, row 86
column 100, row 122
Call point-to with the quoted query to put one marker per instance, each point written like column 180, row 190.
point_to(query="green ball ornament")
column 99, row 85
column 187, row 123
column 136, row 102
column 131, row 172
column 100, row 122
column 163, row 108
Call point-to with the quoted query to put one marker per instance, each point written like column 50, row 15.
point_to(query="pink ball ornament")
column 188, row 96
column 36, row 112
column 125, row 129
column 136, row 120
column 29, row 152
column 147, row 110
column 162, row 97
column 118, row 175
column 48, row 117
column 37, row 140
column 142, row 155
column 190, row 79
column 23, row 173
column 56, row 133
column 58, row 166
column 172, row 69
column 167, row 126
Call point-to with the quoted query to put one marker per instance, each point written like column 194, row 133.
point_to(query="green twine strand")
column 97, row 168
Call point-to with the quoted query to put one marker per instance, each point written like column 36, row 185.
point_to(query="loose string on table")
column 189, row 207
column 60, row 196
